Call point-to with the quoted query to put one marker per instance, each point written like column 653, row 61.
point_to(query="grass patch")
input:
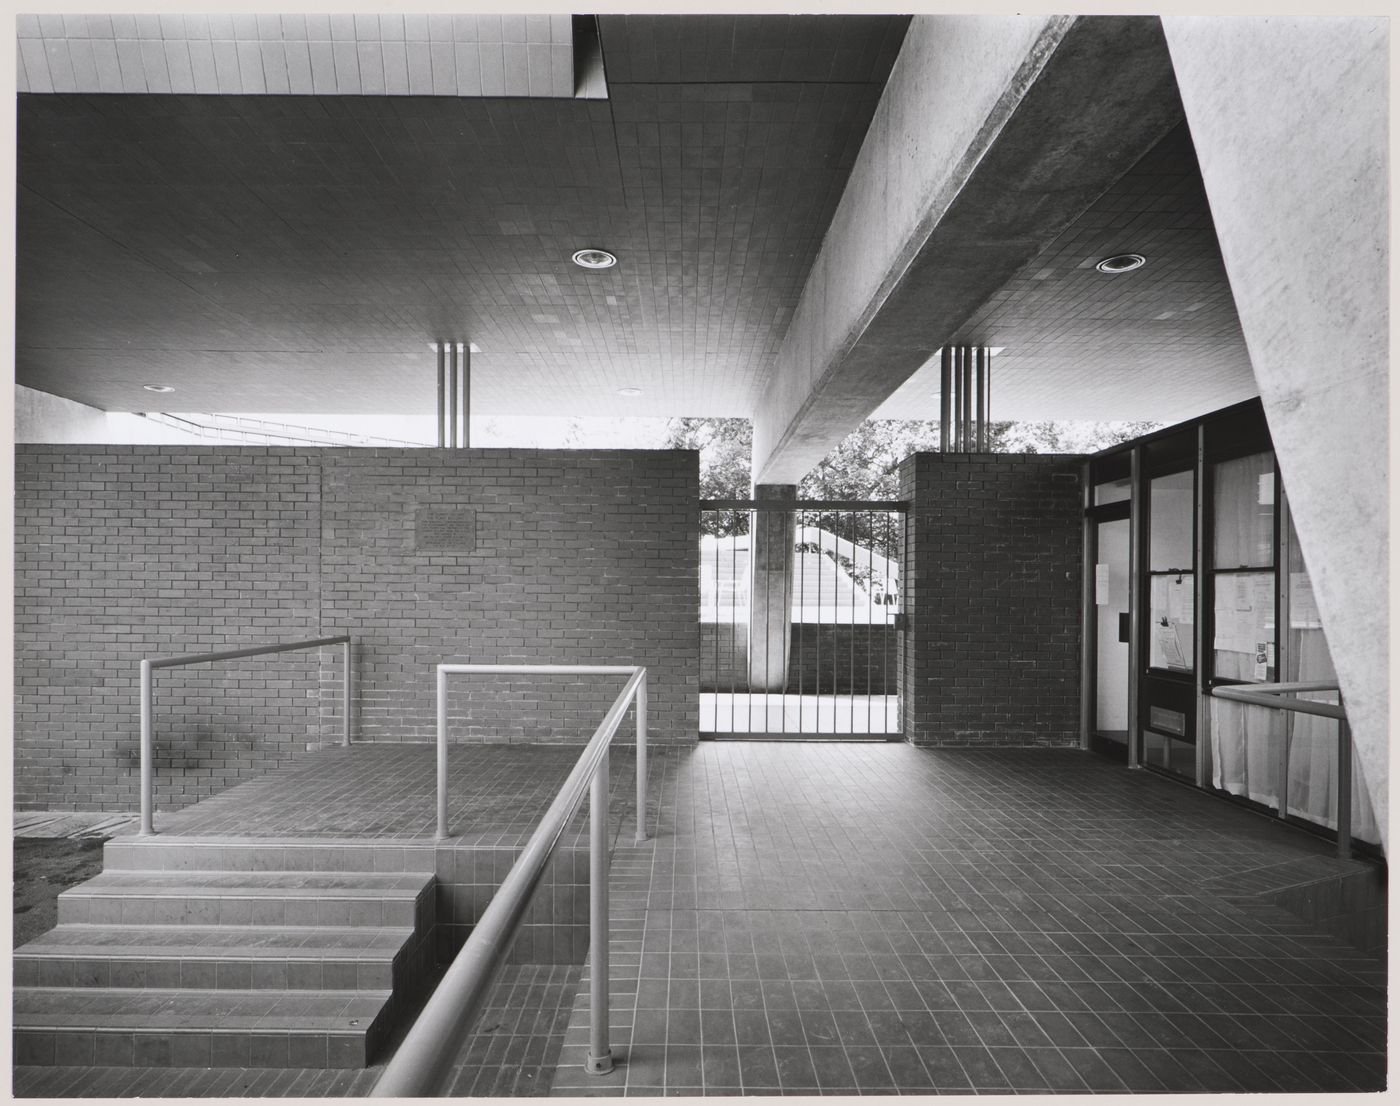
column 44, row 866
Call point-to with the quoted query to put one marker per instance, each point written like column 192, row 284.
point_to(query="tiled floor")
column 872, row 918
column 879, row 919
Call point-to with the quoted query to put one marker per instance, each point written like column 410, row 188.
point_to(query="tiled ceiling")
column 301, row 253
column 1162, row 342
column 349, row 55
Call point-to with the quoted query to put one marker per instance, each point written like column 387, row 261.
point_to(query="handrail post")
column 1343, row 789
column 346, row 697
column 599, row 1054
column 441, row 753
column 642, row 761
column 148, row 769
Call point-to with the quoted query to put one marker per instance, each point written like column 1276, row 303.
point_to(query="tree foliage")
column 865, row 464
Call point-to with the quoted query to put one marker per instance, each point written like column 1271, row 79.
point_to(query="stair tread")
column 148, row 883
column 81, row 941
column 196, row 1010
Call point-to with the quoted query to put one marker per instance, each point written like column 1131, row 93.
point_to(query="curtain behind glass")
column 1312, row 750
column 1244, row 512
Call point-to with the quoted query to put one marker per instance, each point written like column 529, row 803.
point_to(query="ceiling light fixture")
column 158, row 387
column 1121, row 263
column 594, row 259
column 629, row 391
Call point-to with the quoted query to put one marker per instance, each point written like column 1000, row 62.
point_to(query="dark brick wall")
column 992, row 596
column 123, row 552
column 126, row 552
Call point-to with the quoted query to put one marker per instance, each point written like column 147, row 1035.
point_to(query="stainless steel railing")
column 1278, row 697
column 424, row 1060
column 150, row 664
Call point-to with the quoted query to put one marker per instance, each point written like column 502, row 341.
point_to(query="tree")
column 726, row 454
column 865, row 464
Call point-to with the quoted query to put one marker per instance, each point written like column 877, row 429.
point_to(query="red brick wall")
column 128, row 551
column 992, row 593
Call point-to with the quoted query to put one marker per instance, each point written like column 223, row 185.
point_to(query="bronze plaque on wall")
column 444, row 530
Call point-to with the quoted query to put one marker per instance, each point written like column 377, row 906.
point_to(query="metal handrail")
column 422, row 1063
column 1270, row 695
column 445, row 670
column 1273, row 697
column 150, row 664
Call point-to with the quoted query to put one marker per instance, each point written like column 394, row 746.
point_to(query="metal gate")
column 800, row 611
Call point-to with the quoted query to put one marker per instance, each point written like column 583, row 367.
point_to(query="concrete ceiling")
column 301, row 253
column 1161, row 342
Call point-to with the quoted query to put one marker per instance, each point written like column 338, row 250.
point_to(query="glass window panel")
column 1172, row 640
column 1111, row 595
column 1170, row 525
column 1244, row 512
column 1308, row 657
column 1244, row 626
column 1312, row 768
column 1115, row 491
column 1154, row 748
column 1181, row 757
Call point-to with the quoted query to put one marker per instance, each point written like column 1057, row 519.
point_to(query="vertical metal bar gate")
column 840, row 673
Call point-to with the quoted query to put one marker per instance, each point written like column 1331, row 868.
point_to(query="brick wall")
column 126, row 551
column 582, row 557
column 992, row 593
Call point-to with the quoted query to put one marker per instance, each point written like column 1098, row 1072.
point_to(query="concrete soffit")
column 991, row 137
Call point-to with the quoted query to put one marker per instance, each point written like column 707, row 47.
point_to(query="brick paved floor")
column 818, row 918
column 496, row 795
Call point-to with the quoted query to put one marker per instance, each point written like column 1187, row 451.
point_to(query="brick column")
column 991, row 592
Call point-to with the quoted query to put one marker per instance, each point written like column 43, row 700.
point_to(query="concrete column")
column 770, row 590
column 1289, row 119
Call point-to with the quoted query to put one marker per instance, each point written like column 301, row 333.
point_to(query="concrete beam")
column 1290, row 121
column 993, row 133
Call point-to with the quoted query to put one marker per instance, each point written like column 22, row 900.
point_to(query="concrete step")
column 314, row 958
column 169, row 853
column 263, row 898
column 160, row 1027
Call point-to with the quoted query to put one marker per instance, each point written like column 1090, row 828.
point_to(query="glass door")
column 1168, row 689
column 1112, row 596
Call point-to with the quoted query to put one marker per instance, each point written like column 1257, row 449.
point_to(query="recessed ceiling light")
column 1121, row 263
column 158, row 387
column 594, row 259
column 629, row 391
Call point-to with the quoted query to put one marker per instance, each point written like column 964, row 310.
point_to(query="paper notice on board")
column 1170, row 645
column 1261, row 597
column 1231, row 594
column 1302, row 606
column 1101, row 585
column 1179, row 601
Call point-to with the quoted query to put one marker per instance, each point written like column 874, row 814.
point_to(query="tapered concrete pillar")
column 1289, row 119
column 770, row 590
